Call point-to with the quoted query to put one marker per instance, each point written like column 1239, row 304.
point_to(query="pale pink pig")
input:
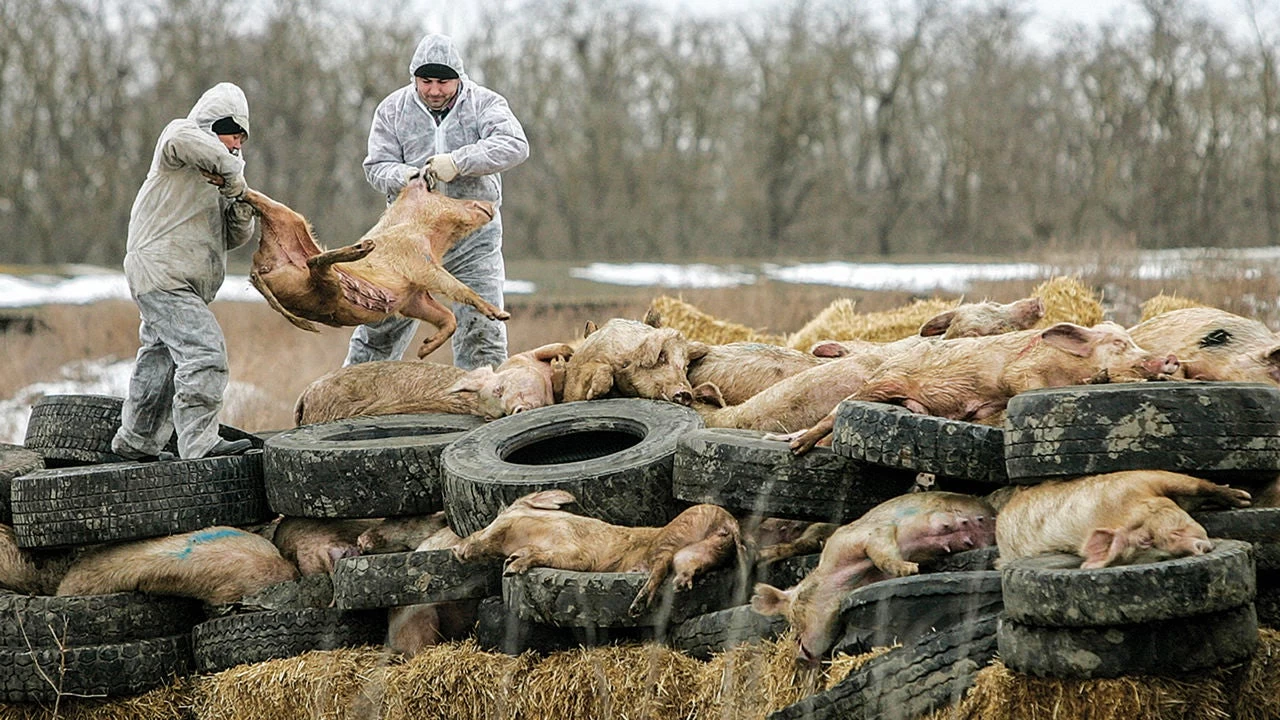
column 406, row 532
column 315, row 544
column 217, row 565
column 527, row 380
column 973, row 378
column 742, row 369
column 890, row 540
column 626, row 358
column 1214, row 344
column 1112, row 519
column 385, row 387
column 410, row 628
column 31, row 571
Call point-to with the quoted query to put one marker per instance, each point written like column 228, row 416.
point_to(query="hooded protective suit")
column 484, row 138
column 180, row 229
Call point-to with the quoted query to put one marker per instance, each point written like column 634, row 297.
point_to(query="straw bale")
column 838, row 321
column 1257, row 691
column 842, row 664
column 1161, row 304
column 455, row 680
column 616, row 681
column 751, row 680
column 1066, row 299
column 318, row 685
column 695, row 324
column 171, row 702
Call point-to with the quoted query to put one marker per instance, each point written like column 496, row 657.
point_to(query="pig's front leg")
column 1174, row 485
column 343, row 254
column 882, row 549
column 809, row 439
column 644, row 598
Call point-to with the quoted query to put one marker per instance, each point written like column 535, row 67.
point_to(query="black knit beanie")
column 226, row 126
column 436, row 70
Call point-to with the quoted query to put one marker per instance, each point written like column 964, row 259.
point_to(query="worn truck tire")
column 77, row 621
column 1198, row 428
column 1221, row 579
column 567, row 598
column 902, row 610
column 15, row 461
column 308, row 591
column 787, row 572
column 614, row 455
column 130, row 501
column 893, row 436
column 70, row 430
column 361, row 467
column 255, row 637
column 1258, row 526
column 1165, row 647
column 978, row 559
column 499, row 629
column 702, row 636
column 407, row 578
column 93, row 670
column 747, row 475
column 910, row 681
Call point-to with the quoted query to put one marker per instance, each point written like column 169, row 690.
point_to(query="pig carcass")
column 405, row 533
column 1112, row 519
column 383, row 387
column 964, row 320
column 627, row 358
column 534, row 532
column 1213, row 344
column 393, row 269
column 740, row 370
column 524, row 381
column 217, row 565
column 973, row 378
column 315, row 544
column 31, row 571
column 890, row 540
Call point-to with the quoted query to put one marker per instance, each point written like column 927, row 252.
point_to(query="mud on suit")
column 180, row 229
column 484, row 138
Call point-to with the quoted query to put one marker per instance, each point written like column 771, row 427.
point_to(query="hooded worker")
column 184, row 220
column 464, row 136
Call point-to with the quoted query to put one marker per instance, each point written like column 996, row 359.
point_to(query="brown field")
column 280, row 360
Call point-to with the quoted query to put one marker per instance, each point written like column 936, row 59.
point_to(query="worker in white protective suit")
column 463, row 135
column 183, row 221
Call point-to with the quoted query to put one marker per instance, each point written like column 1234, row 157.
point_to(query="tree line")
column 810, row 129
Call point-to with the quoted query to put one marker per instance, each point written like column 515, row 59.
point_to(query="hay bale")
column 697, row 325
column 842, row 664
column 172, row 702
column 631, row 681
column 838, row 321
column 318, row 685
column 1257, row 694
column 754, row 679
column 1066, row 299
column 455, row 680
column 1161, row 304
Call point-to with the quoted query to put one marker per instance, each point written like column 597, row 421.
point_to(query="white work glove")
column 233, row 186
column 441, row 167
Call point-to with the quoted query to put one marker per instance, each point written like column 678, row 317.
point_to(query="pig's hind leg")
column 440, row 281
column 1175, row 485
column 422, row 306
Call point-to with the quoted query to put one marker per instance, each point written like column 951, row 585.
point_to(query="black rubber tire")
column 975, row 560
column 71, row 430
column 704, row 635
column 1221, row 579
column 893, row 436
column 1267, row 604
column 567, row 598
column 309, row 591
column 77, row 621
column 407, row 578
column 902, row 610
column 1259, row 526
column 361, row 467
column 1190, row 427
column 15, row 461
column 787, row 572
column 614, row 455
column 255, row 637
column 747, row 475
column 1166, row 647
column 93, row 670
column 499, row 629
column 910, row 681
column 129, row 501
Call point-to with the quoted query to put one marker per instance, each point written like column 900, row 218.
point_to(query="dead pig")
column 393, row 269
column 525, row 381
column 1214, row 344
column 31, row 571
column 534, row 532
column 384, row 387
column 973, row 378
column 890, row 540
column 743, row 369
column 984, row 318
column 405, row 533
column 626, row 358
column 1111, row 519
column 315, row 544
column 217, row 565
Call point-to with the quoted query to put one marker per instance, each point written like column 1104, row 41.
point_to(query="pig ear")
column 1071, row 338
column 769, row 600
column 590, row 328
column 938, row 324
column 599, row 382
column 548, row 499
column 1102, row 547
column 698, row 350
column 828, row 349
column 709, row 392
column 653, row 318
column 473, row 381
column 547, row 353
column 647, row 354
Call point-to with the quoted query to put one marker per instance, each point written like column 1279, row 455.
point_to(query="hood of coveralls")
column 222, row 100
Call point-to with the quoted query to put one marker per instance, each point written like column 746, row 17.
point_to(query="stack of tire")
column 80, row 494
column 1164, row 617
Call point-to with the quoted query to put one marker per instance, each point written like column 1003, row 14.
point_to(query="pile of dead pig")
column 655, row 551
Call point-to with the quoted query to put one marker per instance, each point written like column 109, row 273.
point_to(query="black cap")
column 437, row 71
column 226, row 126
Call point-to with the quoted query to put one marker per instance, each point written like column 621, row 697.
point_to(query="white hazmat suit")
column 483, row 138
column 180, row 229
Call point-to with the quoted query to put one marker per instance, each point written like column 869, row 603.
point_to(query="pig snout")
column 804, row 655
column 683, row 396
column 1163, row 366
